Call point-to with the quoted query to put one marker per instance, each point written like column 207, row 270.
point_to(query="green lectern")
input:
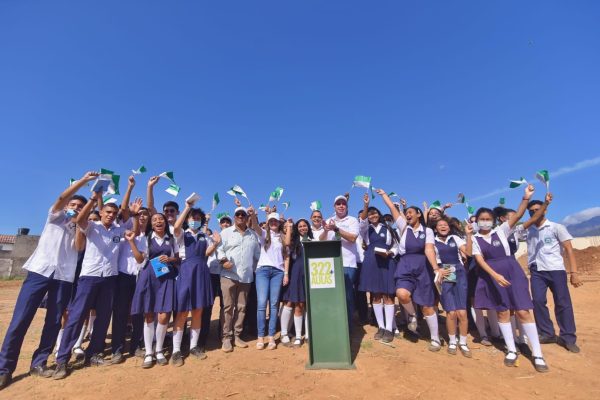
column 329, row 344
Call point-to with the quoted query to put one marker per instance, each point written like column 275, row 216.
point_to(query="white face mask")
column 485, row 225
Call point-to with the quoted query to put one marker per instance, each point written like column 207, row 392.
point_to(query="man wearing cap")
column 238, row 255
column 345, row 228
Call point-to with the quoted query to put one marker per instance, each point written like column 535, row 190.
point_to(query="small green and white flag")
column 221, row 215
column 72, row 181
column 139, row 171
column 502, row 201
column 108, row 199
column 169, row 175
column 173, row 189
column 362, row 181
column 215, row 201
column 436, row 204
column 393, row 194
column 104, row 171
column 262, row 207
column 235, row 190
column 286, row 204
column 315, row 205
column 461, row 198
column 544, row 177
column 517, row 182
column 470, row 210
column 276, row 194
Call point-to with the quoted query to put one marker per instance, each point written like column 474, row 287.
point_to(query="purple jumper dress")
column 414, row 273
column 454, row 294
column 377, row 274
column 295, row 290
column 152, row 294
column 489, row 295
column 193, row 286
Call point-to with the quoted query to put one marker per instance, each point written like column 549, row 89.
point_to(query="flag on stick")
column 139, row 171
column 517, row 182
column 362, row 181
column 173, row 189
column 169, row 175
column 276, row 194
column 215, row 201
column 544, row 177
column 315, row 205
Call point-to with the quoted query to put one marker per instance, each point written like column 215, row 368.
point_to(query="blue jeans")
column 350, row 277
column 268, row 285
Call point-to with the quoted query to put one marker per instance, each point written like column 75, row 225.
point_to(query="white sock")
column 378, row 310
column 91, row 324
column 286, row 316
column 161, row 332
column 194, row 336
column 410, row 309
column 148, row 337
column 508, row 338
column 298, row 325
column 452, row 339
column 463, row 339
column 389, row 316
column 534, row 340
column 492, row 316
column 306, row 325
column 522, row 335
column 81, row 336
column 58, row 339
column 432, row 323
column 479, row 322
column 177, row 339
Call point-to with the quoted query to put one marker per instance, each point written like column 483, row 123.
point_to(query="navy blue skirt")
column 295, row 291
column 415, row 275
column 377, row 274
column 454, row 294
column 193, row 286
column 152, row 294
column 489, row 295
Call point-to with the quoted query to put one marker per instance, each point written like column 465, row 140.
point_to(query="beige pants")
column 235, row 295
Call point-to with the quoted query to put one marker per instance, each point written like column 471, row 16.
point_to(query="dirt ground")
column 406, row 370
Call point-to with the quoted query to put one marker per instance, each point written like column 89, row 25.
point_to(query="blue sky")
column 429, row 98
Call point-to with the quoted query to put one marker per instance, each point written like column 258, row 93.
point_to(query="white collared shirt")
column 102, row 249
column 460, row 242
column 349, row 251
column 403, row 229
column 127, row 263
column 273, row 256
column 544, row 246
column 503, row 231
column 363, row 225
column 55, row 252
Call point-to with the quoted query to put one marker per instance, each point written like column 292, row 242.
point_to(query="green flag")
column 471, row 210
column 315, row 205
column 461, row 198
column 173, row 189
column 362, row 181
column 138, row 171
column 544, row 177
column 215, row 201
column 169, row 175
column 502, row 201
column 436, row 204
column 516, row 183
column 276, row 194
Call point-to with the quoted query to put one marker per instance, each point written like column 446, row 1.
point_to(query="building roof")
column 7, row 239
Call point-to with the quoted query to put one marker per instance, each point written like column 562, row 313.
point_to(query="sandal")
column 434, row 346
column 260, row 345
column 540, row 367
column 511, row 362
column 452, row 349
column 464, row 349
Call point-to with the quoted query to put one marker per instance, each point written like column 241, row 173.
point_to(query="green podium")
column 329, row 344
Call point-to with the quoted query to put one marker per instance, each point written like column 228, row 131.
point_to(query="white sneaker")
column 285, row 340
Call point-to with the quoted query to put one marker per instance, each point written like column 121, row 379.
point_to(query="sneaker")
column 41, row 371
column 198, row 353
column 148, row 361
column 79, row 353
column 177, row 359
column 388, row 337
column 60, row 372
column 379, row 334
column 5, row 380
column 227, row 347
column 285, row 341
column 117, row 358
column 97, row 360
column 161, row 359
column 547, row 339
column 238, row 342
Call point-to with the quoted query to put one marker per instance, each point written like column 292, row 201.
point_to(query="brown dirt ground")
column 406, row 370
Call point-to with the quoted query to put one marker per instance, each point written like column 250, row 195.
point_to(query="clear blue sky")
column 429, row 98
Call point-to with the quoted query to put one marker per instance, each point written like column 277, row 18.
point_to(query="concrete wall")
column 579, row 243
column 11, row 262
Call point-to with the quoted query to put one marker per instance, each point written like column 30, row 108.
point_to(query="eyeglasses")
column 241, row 214
column 170, row 211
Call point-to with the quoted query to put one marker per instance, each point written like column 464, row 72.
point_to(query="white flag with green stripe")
column 517, row 182
column 139, row 171
column 173, row 189
column 362, row 181
column 169, row 175
column 315, row 205
column 215, row 201
column 544, row 177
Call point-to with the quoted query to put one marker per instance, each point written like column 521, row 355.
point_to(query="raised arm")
column 150, row 194
column 522, row 207
column 539, row 214
column 388, row 202
column 177, row 227
column 363, row 214
column 63, row 198
column 254, row 222
column 134, row 211
column 289, row 227
column 82, row 218
column 126, row 199
column 468, row 250
column 130, row 236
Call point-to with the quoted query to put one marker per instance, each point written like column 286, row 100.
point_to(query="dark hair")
column 314, row 211
column 225, row 217
column 78, row 197
column 96, row 213
column 209, row 231
column 534, row 203
column 484, row 210
column 418, row 210
column 111, row 205
column 171, row 203
column 297, row 239
column 149, row 228
column 457, row 227
column 197, row 211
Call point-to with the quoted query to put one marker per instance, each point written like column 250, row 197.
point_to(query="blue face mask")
column 70, row 213
column 194, row 225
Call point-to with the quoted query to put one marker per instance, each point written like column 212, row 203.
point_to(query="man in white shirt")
column 51, row 270
column 96, row 285
column 345, row 228
column 546, row 242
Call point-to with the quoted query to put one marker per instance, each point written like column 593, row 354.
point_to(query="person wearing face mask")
column 502, row 285
column 51, row 271
column 294, row 292
column 450, row 250
column 193, row 287
column 415, row 271
column 377, row 275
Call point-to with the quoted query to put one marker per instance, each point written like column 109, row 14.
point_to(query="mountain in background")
column 590, row 227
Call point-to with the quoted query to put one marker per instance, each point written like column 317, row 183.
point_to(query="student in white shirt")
column 51, row 270
column 548, row 245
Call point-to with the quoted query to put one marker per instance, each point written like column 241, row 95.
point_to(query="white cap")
column 273, row 216
column 340, row 197
column 241, row 209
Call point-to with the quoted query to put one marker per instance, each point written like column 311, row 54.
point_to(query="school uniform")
column 413, row 272
column 51, row 271
column 496, row 251
column 126, row 281
column 454, row 294
column 295, row 291
column 377, row 273
column 152, row 294
column 548, row 271
column 96, row 288
column 193, row 288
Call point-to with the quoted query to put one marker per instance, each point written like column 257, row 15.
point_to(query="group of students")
column 144, row 269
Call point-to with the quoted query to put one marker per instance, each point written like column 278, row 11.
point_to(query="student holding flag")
column 503, row 285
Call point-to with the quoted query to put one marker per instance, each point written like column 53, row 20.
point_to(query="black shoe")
column 177, row 359
column 379, row 334
column 5, row 380
column 511, row 362
column 540, row 367
column 572, row 347
column 41, row 371
column 547, row 339
column 117, row 358
column 97, row 360
column 388, row 337
column 524, row 349
column 198, row 353
column 60, row 372
column 162, row 361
